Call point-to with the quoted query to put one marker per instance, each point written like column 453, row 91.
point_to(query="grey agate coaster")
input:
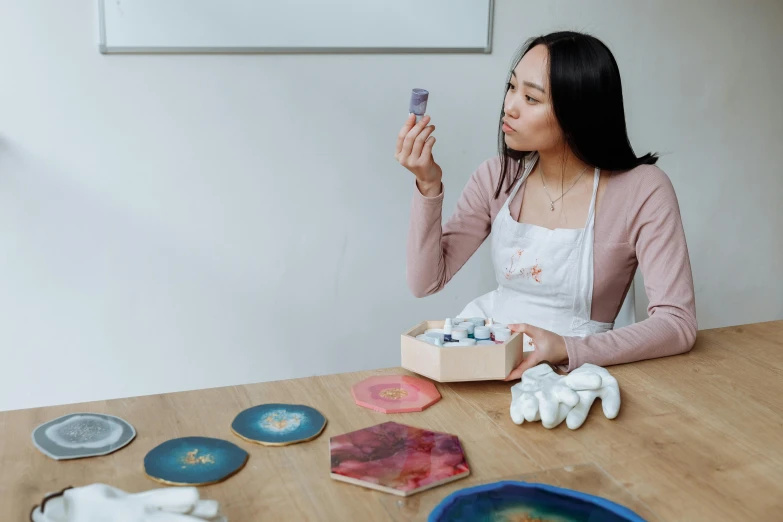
column 79, row 435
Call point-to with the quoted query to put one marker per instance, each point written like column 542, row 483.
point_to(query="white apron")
column 545, row 277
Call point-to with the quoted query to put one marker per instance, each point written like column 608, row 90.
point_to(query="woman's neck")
column 559, row 167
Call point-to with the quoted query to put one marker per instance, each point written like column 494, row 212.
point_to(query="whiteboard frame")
column 106, row 49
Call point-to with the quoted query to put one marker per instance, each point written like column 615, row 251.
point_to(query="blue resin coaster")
column 194, row 461
column 516, row 500
column 80, row 435
column 278, row 424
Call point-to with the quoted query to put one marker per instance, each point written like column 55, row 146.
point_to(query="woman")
column 572, row 210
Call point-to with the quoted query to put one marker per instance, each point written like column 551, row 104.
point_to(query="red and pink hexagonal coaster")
column 395, row 393
column 398, row 459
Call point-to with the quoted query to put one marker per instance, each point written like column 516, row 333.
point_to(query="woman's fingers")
column 533, row 357
column 427, row 150
column 517, row 327
column 532, row 331
column 409, row 123
column 517, row 372
column 410, row 137
column 418, row 144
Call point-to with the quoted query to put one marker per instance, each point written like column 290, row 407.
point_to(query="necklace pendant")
column 552, row 207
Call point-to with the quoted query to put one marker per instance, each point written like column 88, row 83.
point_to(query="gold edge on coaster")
column 281, row 444
column 402, row 493
column 198, row 484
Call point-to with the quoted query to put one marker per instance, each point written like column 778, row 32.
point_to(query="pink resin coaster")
column 398, row 459
column 395, row 393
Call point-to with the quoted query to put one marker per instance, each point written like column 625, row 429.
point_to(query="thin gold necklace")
column 551, row 201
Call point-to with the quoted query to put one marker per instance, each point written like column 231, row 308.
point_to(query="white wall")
column 180, row 222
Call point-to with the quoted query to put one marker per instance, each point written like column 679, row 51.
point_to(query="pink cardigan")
column 637, row 223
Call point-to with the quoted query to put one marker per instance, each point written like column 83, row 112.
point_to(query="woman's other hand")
column 549, row 347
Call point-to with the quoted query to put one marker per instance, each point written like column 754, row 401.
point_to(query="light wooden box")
column 459, row 363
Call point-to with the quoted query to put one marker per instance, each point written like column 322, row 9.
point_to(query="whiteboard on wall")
column 295, row 26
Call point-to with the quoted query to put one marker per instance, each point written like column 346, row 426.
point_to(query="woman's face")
column 529, row 122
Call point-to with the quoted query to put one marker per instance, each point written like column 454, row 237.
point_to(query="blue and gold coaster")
column 194, row 461
column 279, row 424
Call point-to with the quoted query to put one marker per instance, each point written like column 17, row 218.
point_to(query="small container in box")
column 459, row 363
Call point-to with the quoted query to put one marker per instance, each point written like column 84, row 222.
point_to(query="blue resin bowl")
column 194, row 461
column 278, row 424
column 512, row 500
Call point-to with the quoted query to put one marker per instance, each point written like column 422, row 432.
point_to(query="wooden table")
column 699, row 437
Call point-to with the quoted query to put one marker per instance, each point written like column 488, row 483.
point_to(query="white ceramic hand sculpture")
column 541, row 395
column 591, row 382
column 544, row 395
column 100, row 503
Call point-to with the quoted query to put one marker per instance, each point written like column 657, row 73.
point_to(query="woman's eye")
column 531, row 100
column 509, row 87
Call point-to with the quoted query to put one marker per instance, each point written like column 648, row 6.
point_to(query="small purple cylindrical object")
column 418, row 104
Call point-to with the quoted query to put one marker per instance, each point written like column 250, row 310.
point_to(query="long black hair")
column 587, row 98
